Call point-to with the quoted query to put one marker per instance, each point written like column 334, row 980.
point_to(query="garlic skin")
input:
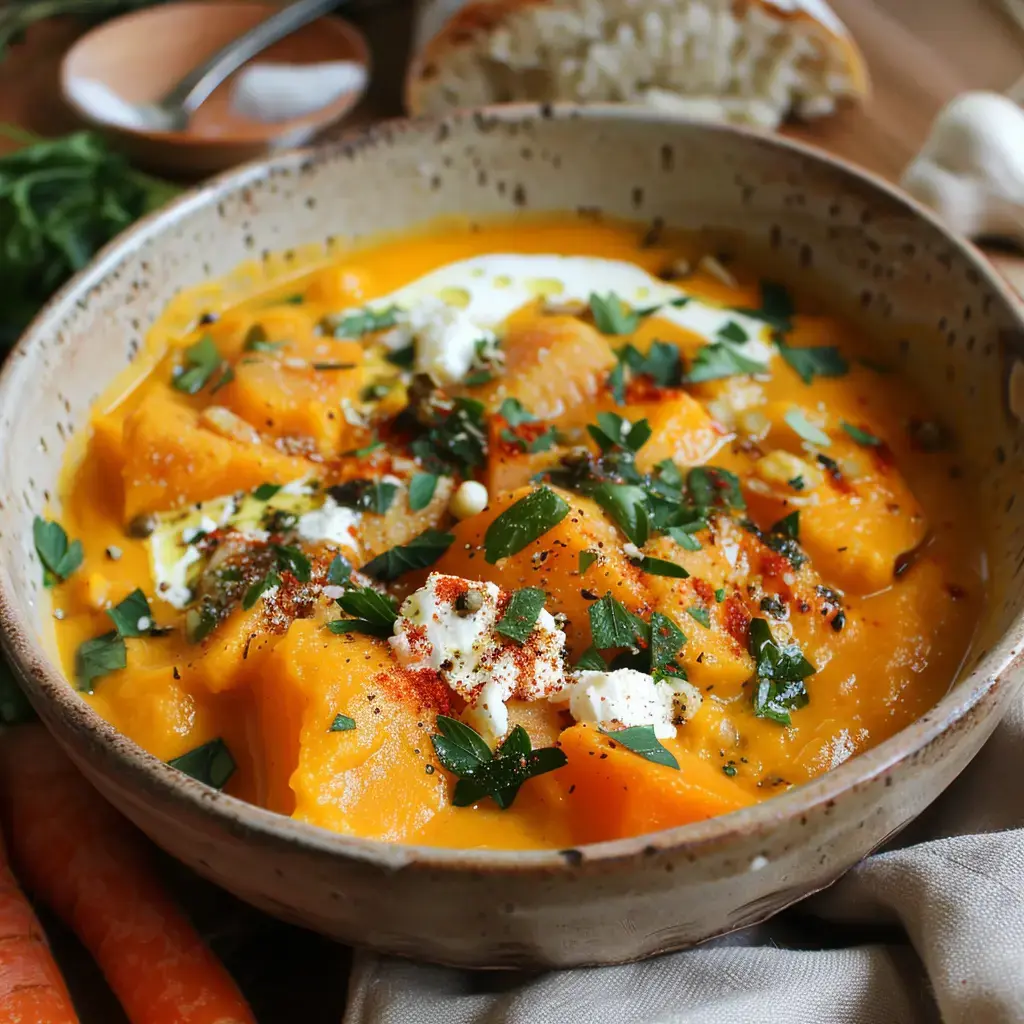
column 970, row 170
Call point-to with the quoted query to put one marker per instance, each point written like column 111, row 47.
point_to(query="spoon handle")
column 197, row 85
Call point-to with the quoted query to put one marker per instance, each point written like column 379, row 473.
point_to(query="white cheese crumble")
column 448, row 310
column 626, row 697
column 332, row 523
column 450, row 625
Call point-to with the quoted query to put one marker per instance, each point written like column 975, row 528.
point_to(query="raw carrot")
column 32, row 990
column 77, row 853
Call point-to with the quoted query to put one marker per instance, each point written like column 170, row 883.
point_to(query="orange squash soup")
column 516, row 536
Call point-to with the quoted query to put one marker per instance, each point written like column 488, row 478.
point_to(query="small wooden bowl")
column 141, row 56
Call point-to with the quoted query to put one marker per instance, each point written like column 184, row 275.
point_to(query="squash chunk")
column 552, row 563
column 284, row 394
column 379, row 533
column 371, row 780
column 171, row 460
column 682, row 430
column 856, row 522
column 552, row 365
column 612, row 793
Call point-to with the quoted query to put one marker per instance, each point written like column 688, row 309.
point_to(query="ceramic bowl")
column 939, row 313
column 122, row 56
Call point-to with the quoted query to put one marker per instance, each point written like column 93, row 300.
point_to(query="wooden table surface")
column 921, row 53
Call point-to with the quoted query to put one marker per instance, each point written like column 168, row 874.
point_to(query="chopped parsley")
column 202, row 360
column 721, row 359
column 291, row 559
column 342, row 723
column 371, row 612
column 587, row 559
column 524, row 522
column 98, row 657
column 612, row 315
column 591, row 661
column 612, row 625
column 366, row 321
column 481, row 773
column 700, row 615
column 132, row 616
column 776, row 310
column 861, row 436
column 779, row 678
column 58, row 557
column 734, row 333
column 640, row 739
column 514, row 413
column 421, row 490
column 662, row 567
column 819, row 361
column 521, row 615
column 266, row 491
column 259, row 588
column 456, row 437
column 339, row 571
column 420, row 552
column 627, row 506
column 211, row 763
column 667, row 640
column 662, row 365
column 366, row 495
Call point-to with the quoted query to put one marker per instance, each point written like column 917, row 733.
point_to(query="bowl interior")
column 141, row 56
column 938, row 313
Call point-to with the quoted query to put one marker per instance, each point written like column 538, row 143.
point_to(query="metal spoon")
column 173, row 111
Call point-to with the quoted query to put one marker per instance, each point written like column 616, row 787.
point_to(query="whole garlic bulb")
column 971, row 168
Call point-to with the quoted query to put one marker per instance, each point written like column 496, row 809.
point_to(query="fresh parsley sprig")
column 481, row 773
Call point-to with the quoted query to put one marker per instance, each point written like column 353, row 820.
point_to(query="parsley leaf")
column 521, row 614
column 710, row 487
column 734, row 333
column 612, row 315
column 804, row 428
column 627, row 505
column 291, row 559
column 788, row 526
column 266, row 491
column 613, row 431
column 201, row 362
column 59, row 558
column 259, row 588
column 514, row 413
column 587, row 559
column 780, row 675
column 523, row 523
column 367, row 495
column 366, row 321
column 98, row 657
column 462, row 751
column 256, row 340
column 339, row 571
column 667, row 640
column 776, row 309
column 211, row 763
column 132, row 617
column 862, row 437
column 420, row 552
column 456, row 438
column 662, row 364
column 372, row 613
column 819, row 361
column 591, row 661
column 662, row 567
column 342, row 723
column 421, row 490
column 640, row 739
column 612, row 625
column 699, row 614
column 719, row 360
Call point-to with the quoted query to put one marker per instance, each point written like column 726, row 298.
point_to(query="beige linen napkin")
column 931, row 930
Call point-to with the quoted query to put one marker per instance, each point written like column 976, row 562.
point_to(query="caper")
column 469, row 602
column 142, row 525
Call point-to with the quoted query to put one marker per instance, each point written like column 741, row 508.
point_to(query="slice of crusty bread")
column 749, row 60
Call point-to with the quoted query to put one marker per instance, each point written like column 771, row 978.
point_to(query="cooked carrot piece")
column 86, row 862
column 31, row 986
column 613, row 793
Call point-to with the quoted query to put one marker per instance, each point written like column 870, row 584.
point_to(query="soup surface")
column 528, row 535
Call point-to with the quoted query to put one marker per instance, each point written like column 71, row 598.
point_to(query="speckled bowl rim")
column 115, row 752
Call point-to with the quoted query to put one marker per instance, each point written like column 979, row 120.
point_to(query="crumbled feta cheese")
column 206, row 525
column 625, row 697
column 450, row 626
column 330, row 522
column 144, row 623
column 446, row 340
column 172, row 578
column 632, row 552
